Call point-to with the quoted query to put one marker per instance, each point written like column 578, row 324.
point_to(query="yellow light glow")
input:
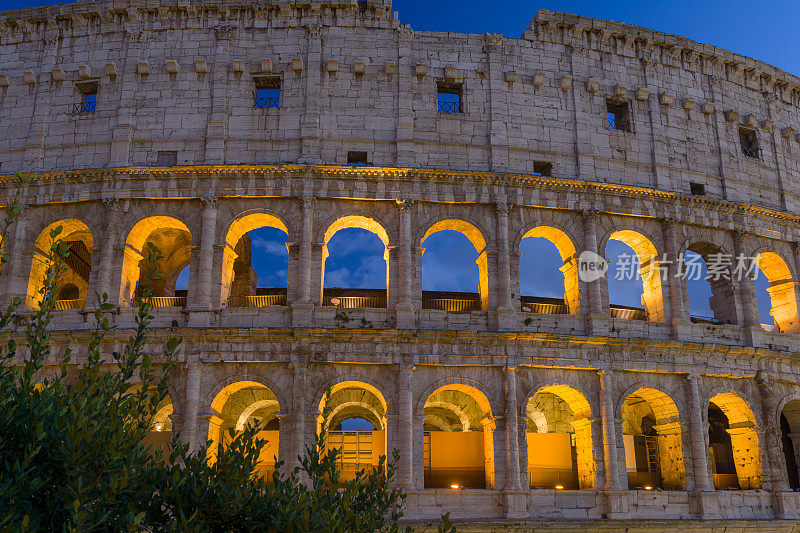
column 159, row 427
column 559, row 487
column 648, row 487
column 455, row 486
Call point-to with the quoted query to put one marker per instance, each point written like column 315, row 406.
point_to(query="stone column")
column 309, row 127
column 498, row 107
column 219, row 110
column 190, row 429
column 774, row 474
column 747, row 296
column 595, row 289
column 610, row 455
column 512, row 429
column 504, row 301
column 697, row 436
column 302, row 309
column 207, row 238
column 678, row 294
column 106, row 263
column 16, row 271
column 404, row 308
column 298, row 414
column 405, row 429
column 407, row 84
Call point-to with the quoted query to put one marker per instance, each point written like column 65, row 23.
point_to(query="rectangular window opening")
column 267, row 92
column 619, row 117
column 357, row 159
column 749, row 143
column 449, row 97
column 541, row 168
column 167, row 159
column 697, row 189
column 88, row 97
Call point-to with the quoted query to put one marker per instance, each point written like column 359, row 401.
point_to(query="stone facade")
column 179, row 80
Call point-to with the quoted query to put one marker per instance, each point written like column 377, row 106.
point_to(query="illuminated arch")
column 474, row 467
column 722, row 301
column 241, row 225
column 569, row 257
column 742, row 429
column 377, row 406
column 78, row 264
column 664, row 436
column 474, row 235
column 543, row 472
column 788, row 418
column 652, row 296
column 176, row 257
column 781, row 291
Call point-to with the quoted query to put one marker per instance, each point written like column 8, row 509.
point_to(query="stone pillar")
column 404, row 309
column 302, row 309
column 192, row 403
column 598, row 288
column 44, row 89
column 512, row 428
column 309, row 128
column 16, row 272
column 775, row 477
column 503, row 265
column 697, row 436
column 679, row 296
column 106, row 264
column 610, row 455
column 407, row 84
column 219, row 110
column 405, row 429
column 206, row 266
column 298, row 414
column 498, row 107
column 746, row 293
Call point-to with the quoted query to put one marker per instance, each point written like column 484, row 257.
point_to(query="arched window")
column 775, row 294
column 458, row 439
column 651, row 433
column 255, row 262
column 239, row 404
column 356, row 421
column 548, row 274
column 559, row 433
column 454, row 267
column 733, row 443
column 790, row 441
column 634, row 277
column 711, row 293
column 355, row 263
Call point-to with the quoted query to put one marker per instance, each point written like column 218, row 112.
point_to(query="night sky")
column 763, row 30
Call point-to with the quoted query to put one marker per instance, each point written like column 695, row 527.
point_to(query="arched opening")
column 711, row 293
column 355, row 259
column 455, row 274
column 174, row 240
column 458, row 439
column 733, row 443
column 651, row 434
column 78, row 265
column 634, row 274
column 255, row 262
column 356, row 421
column 775, row 294
column 559, row 433
column 790, row 440
column 548, row 272
column 160, row 433
column 240, row 404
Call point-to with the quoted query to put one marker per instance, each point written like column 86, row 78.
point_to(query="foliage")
column 73, row 454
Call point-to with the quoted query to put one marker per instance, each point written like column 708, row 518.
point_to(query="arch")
column 652, row 440
column 567, row 251
column 567, row 437
column 357, row 221
column 233, row 406
column 745, row 450
column 160, row 435
column 238, row 228
column 781, row 290
column 359, row 449
column 78, row 262
column 173, row 239
column 789, row 423
column 722, row 301
column 652, row 296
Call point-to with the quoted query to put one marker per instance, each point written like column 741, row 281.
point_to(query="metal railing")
column 545, row 308
column 266, row 102
column 751, row 151
column 61, row 305
column 167, row 301
column 450, row 107
column 453, row 305
column 628, row 313
column 618, row 124
column 84, row 107
column 259, row 300
column 355, row 302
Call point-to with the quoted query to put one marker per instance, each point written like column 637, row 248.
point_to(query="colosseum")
column 191, row 124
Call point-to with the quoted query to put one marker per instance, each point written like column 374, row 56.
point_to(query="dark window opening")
column 749, row 143
column 167, row 159
column 362, row 5
column 88, row 94
column 697, row 189
column 449, row 97
column 619, row 117
column 268, row 92
column 358, row 159
column 542, row 169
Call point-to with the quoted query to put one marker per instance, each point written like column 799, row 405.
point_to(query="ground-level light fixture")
column 648, row 487
column 455, row 486
column 159, row 427
column 559, row 487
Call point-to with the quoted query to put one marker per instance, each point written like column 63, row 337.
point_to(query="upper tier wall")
column 178, row 78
